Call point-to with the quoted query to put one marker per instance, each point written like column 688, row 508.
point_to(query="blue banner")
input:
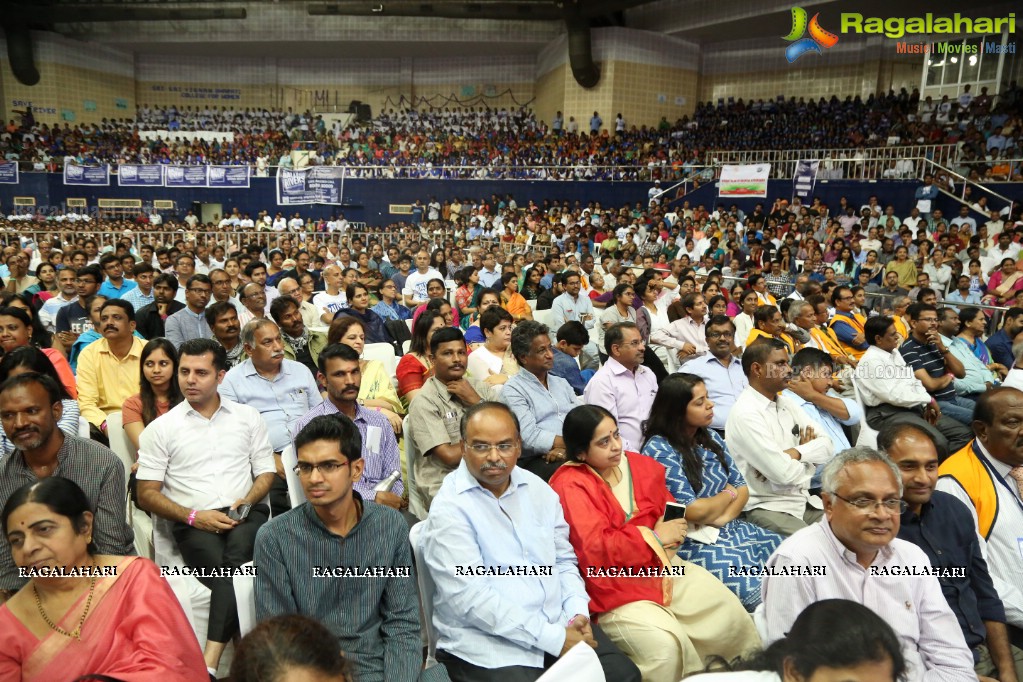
column 186, row 176
column 136, row 175
column 229, row 176
column 317, row 185
column 804, row 179
column 9, row 173
column 97, row 176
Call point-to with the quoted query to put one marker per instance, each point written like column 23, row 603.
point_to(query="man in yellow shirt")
column 108, row 368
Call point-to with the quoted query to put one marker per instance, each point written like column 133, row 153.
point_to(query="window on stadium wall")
column 950, row 65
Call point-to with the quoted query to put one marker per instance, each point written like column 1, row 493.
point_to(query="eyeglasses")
column 503, row 449
column 866, row 505
column 325, row 468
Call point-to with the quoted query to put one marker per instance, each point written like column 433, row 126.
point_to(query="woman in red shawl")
column 667, row 615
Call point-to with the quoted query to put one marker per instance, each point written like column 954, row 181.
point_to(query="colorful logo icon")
column 818, row 36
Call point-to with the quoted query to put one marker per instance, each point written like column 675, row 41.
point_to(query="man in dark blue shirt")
column 943, row 528
column 1000, row 343
column 934, row 364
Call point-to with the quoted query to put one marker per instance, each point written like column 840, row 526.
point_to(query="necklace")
column 77, row 632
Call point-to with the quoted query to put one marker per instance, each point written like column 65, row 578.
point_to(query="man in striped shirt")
column 343, row 560
column 934, row 364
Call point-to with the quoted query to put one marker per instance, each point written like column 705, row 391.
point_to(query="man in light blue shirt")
column 281, row 390
column 142, row 295
column 978, row 377
column 539, row 399
column 492, row 515
column 190, row 321
column 571, row 306
column 721, row 372
column 490, row 275
column 962, row 294
column 115, row 285
column 810, row 388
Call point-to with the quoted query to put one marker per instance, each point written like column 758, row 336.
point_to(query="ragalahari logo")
column 818, row 36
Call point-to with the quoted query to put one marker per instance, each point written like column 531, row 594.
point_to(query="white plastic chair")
column 544, row 317
column 289, row 458
column 122, row 446
column 532, row 306
column 426, row 590
column 193, row 596
column 867, row 436
column 384, row 352
column 245, row 596
column 416, row 504
column 405, row 345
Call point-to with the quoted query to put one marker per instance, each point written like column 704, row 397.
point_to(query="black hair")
column 108, row 259
column 967, row 315
column 219, row 308
column 170, row 281
column 580, row 423
column 421, row 329
column 758, row 351
column 202, row 347
column 36, row 361
column 51, row 386
column 613, row 336
column 764, row 313
column 146, row 393
column 341, row 351
column 875, row 327
column 335, row 428
column 352, row 288
column 280, row 644
column 445, row 335
column 574, row 333
column 278, row 307
column 832, row 633
column 984, row 411
column 837, row 293
column 253, row 266
column 667, row 420
column 811, row 357
column 93, row 271
column 891, row 432
column 60, row 495
column 129, row 310
column 923, row 292
column 493, row 316
column 914, row 311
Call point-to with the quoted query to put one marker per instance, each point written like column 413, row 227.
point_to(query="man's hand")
column 464, row 391
column 213, row 521
column 807, row 435
column 554, row 455
column 279, row 464
column 578, row 631
column 932, row 413
column 859, row 339
column 801, row 386
column 388, row 499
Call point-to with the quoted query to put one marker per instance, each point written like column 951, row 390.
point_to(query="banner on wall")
column 744, row 181
column 236, row 177
column 138, row 175
column 186, row 176
column 804, row 179
column 8, row 173
column 97, row 176
column 317, row 185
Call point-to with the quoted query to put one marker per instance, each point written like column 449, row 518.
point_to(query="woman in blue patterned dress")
column 702, row 476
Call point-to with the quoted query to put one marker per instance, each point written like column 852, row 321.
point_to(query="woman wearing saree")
column 614, row 503
column 1004, row 283
column 376, row 391
column 702, row 476
column 119, row 619
column 467, row 295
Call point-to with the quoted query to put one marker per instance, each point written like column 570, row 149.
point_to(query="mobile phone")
column 674, row 510
column 239, row 514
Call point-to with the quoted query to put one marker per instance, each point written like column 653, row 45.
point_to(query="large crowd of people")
column 502, row 143
column 669, row 434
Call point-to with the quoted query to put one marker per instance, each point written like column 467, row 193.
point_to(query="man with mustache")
column 435, row 413
column 491, row 515
column 854, row 553
column 942, row 527
column 281, row 390
column 341, row 530
column 109, row 368
column 190, row 321
column 222, row 318
column 30, row 409
column 987, row 476
column 339, row 371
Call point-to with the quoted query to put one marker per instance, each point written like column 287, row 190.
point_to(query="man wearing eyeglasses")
column 942, row 527
column 509, row 598
column 311, row 559
column 854, row 553
column 190, row 321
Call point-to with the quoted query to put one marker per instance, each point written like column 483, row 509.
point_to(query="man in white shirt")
column 1004, row 249
column 333, row 299
column 775, row 443
column 414, row 292
column 179, row 482
column 68, row 294
column 891, row 393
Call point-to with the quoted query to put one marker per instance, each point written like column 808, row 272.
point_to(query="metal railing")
column 963, row 182
column 874, row 163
